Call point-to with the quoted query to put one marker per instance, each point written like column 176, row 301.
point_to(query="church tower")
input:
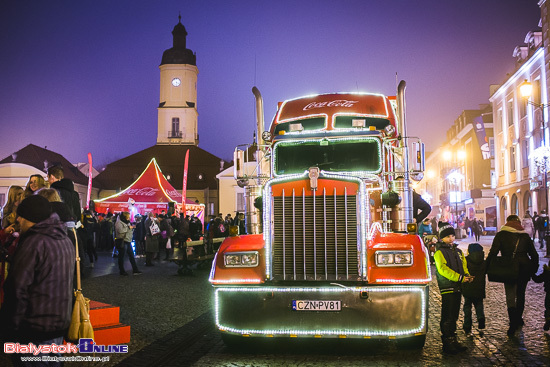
column 177, row 111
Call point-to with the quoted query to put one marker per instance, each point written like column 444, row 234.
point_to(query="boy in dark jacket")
column 544, row 277
column 452, row 271
column 474, row 292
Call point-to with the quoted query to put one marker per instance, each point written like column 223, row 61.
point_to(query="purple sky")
column 82, row 76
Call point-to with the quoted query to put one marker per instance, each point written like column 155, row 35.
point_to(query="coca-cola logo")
column 335, row 103
column 173, row 193
column 145, row 191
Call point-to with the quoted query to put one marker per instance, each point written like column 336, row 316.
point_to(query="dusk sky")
column 82, row 76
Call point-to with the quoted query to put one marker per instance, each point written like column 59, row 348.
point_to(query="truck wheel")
column 414, row 342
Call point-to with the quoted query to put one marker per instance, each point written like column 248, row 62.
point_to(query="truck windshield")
column 345, row 155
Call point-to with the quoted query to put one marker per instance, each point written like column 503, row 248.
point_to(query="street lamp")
column 540, row 155
column 455, row 176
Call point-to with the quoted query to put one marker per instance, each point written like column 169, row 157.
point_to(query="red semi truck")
column 332, row 250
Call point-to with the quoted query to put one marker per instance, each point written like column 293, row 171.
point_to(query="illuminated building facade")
column 520, row 126
column 460, row 174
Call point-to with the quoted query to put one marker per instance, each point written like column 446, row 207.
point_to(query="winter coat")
column 421, row 205
column 526, row 254
column 151, row 242
column 527, row 224
column 451, row 267
column 541, row 222
column 476, row 266
column 424, row 228
column 123, row 230
column 69, row 196
column 39, row 288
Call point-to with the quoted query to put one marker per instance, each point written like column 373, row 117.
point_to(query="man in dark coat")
column 65, row 188
column 421, row 205
column 39, row 287
column 513, row 242
column 541, row 226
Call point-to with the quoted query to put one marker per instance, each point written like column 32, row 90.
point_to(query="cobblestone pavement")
column 172, row 325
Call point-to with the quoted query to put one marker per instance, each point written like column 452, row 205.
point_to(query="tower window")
column 175, row 133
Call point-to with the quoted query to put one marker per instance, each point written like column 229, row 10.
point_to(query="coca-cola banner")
column 479, row 128
column 372, row 105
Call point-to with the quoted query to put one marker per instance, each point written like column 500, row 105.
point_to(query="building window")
column 499, row 120
column 501, row 164
column 175, row 133
column 512, row 159
column 522, row 108
column 514, row 207
column 492, row 147
column 536, row 91
column 524, row 153
column 528, row 202
column 510, row 112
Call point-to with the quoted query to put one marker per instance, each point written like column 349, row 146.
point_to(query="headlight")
column 241, row 259
column 393, row 258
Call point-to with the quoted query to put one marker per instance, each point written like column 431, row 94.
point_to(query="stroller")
column 429, row 241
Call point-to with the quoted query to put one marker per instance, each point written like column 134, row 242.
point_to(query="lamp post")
column 455, row 176
column 540, row 155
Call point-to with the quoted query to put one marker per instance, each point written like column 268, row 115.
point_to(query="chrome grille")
column 315, row 237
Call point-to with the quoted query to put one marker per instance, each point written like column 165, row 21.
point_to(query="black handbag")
column 504, row 269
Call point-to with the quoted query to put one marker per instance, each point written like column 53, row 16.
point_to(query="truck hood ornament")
column 313, row 176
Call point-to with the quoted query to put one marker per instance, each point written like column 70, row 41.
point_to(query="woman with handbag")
column 152, row 233
column 124, row 232
column 519, row 260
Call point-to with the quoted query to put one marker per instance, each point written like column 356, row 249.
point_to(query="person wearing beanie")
column 452, row 271
column 513, row 242
column 39, row 287
column 474, row 292
column 32, row 210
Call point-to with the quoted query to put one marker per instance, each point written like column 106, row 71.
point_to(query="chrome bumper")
column 366, row 312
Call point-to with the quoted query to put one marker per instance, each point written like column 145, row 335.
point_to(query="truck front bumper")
column 366, row 312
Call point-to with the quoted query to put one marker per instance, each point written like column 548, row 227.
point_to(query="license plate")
column 310, row 305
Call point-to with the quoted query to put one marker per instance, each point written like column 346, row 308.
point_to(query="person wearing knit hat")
column 513, row 242
column 474, row 292
column 445, row 229
column 39, row 287
column 451, row 273
column 32, row 210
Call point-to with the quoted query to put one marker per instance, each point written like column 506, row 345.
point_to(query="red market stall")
column 151, row 192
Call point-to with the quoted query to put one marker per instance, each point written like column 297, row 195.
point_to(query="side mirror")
column 419, row 161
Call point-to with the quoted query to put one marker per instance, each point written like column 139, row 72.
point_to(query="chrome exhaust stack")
column 403, row 212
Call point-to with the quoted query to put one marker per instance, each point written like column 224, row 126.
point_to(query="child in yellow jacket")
column 452, row 271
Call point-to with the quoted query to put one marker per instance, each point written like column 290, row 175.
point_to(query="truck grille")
column 315, row 237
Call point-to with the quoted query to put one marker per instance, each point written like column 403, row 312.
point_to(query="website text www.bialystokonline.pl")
column 65, row 359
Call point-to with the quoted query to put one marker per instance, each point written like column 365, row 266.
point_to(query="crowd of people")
column 38, row 243
column 460, row 276
column 41, row 225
